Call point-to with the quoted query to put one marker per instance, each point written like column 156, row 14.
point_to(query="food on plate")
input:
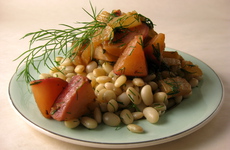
column 45, row 92
column 72, row 102
column 114, row 71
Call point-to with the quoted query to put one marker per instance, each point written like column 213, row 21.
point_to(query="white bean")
column 58, row 59
column 137, row 88
column 103, row 79
column 160, row 97
column 123, row 100
column 97, row 115
column 44, row 76
column 137, row 115
column 138, row 82
column 159, row 106
column 100, row 95
column 112, row 105
column 111, row 119
column 120, row 81
column 66, row 62
column 54, row 69
column 135, row 128
column 147, row 95
column 91, row 66
column 99, row 72
column 59, row 75
column 68, row 79
column 133, row 95
column 62, row 69
column 107, row 67
column 70, row 75
column 90, row 76
column 194, row 82
column 149, row 77
column 79, row 68
column 126, row 116
column 108, row 95
column 109, row 86
column 117, row 91
column 94, row 83
column 127, row 84
column 141, row 106
column 113, row 76
column 98, row 88
column 153, row 85
column 103, row 107
column 73, row 123
column 151, row 114
column 88, row 122
column 69, row 69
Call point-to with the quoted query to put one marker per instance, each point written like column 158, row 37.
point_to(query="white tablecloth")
column 198, row 27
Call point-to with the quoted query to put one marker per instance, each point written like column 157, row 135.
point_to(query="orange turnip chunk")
column 45, row 92
column 74, row 100
column 121, row 39
column 155, row 48
column 132, row 61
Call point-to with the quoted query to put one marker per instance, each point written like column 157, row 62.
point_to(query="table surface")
column 199, row 28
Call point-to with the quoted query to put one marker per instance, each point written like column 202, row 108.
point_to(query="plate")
column 192, row 114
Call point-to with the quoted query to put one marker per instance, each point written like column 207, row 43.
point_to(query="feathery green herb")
column 66, row 42
column 55, row 40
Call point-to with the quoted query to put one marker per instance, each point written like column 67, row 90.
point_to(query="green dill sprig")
column 67, row 42
column 63, row 42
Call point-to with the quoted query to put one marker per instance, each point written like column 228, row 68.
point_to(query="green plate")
column 192, row 114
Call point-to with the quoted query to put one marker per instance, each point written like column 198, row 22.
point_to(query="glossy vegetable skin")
column 74, row 99
column 45, row 92
column 155, row 48
column 122, row 38
column 132, row 61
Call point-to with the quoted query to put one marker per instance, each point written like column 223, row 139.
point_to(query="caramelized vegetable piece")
column 102, row 54
column 86, row 55
column 176, row 86
column 132, row 61
column 190, row 69
column 123, row 37
column 74, row 100
column 128, row 20
column 45, row 93
column 155, row 48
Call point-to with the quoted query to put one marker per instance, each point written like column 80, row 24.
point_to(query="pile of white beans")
column 118, row 99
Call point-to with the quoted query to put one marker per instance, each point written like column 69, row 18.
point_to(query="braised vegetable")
column 132, row 61
column 74, row 99
column 190, row 69
column 175, row 86
column 115, row 28
column 154, row 48
column 117, row 71
column 122, row 37
column 45, row 92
